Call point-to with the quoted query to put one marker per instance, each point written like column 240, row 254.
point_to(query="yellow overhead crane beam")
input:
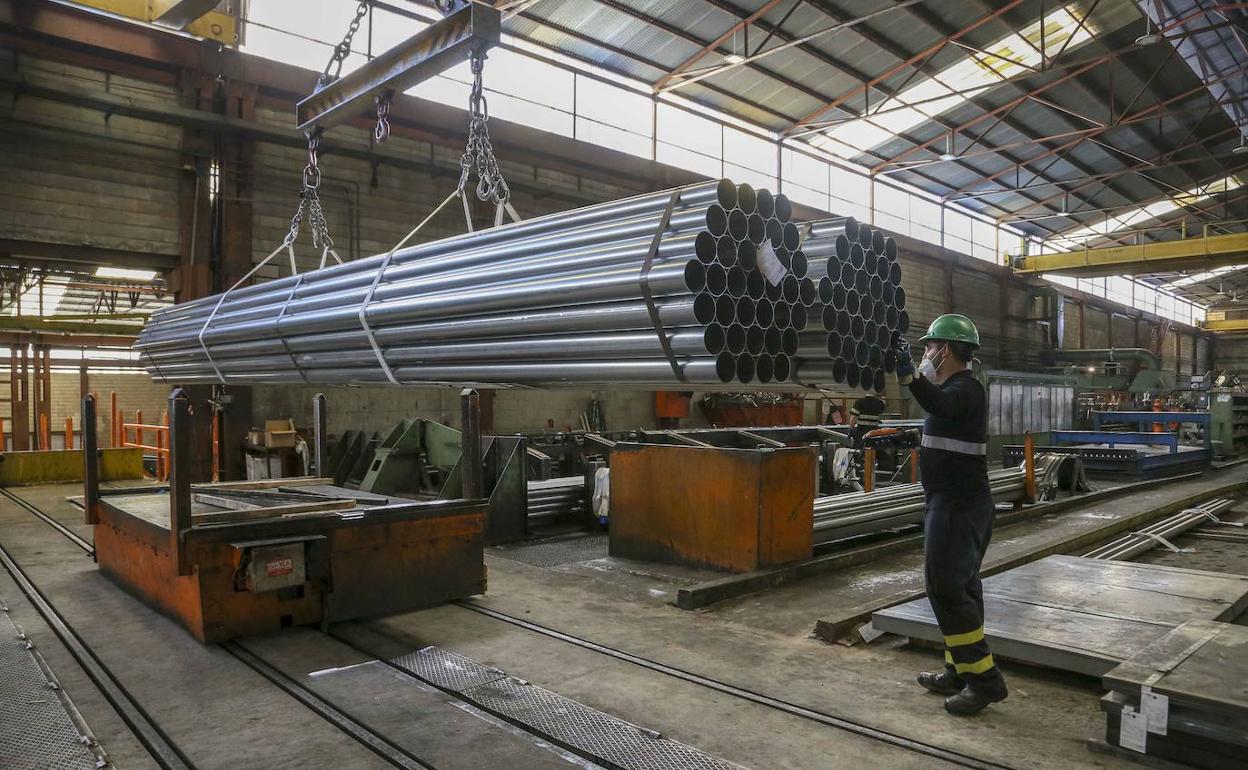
column 1226, row 326
column 196, row 17
column 1202, row 253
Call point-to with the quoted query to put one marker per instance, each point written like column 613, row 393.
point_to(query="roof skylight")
column 951, row 87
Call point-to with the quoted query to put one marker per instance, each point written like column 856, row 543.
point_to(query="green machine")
column 423, row 459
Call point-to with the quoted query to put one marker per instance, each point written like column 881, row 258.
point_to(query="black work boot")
column 972, row 701
column 944, row 683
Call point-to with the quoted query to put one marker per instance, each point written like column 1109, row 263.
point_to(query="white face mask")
column 928, row 367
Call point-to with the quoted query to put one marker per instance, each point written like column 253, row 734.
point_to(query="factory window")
column 892, row 208
column 801, row 169
column 681, row 128
column 957, row 231
column 983, row 240
column 924, row 219
column 614, row 117
column 850, row 192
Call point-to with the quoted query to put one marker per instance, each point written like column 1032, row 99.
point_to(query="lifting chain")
column 478, row 155
column 333, row 68
column 310, row 199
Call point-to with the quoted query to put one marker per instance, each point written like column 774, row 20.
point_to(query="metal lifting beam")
column 429, row 52
column 1200, row 253
column 1226, row 325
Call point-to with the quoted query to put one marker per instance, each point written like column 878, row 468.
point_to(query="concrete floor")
column 222, row 714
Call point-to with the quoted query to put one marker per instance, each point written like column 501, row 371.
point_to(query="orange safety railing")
column 161, row 437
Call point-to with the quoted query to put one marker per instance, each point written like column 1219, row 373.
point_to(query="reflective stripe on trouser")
column 957, row 529
column 954, row 445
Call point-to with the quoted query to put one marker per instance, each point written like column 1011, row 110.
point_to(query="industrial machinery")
column 1134, row 444
column 240, row 558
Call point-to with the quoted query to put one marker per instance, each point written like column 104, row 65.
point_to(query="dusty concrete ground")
column 225, row 715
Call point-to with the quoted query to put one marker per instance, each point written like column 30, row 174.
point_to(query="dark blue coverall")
column 958, row 522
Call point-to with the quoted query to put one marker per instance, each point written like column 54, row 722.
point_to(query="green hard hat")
column 952, row 327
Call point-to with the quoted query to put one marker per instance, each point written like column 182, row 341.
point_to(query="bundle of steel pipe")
column 556, row 498
column 861, row 513
column 557, row 300
column 860, row 301
column 1136, row 543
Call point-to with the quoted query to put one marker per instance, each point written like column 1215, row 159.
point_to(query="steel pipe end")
column 736, row 281
column 782, row 368
column 827, row 317
column 834, row 345
column 879, row 381
column 799, row 265
column 890, row 248
column 799, row 318
column 781, row 316
column 876, row 288
column 866, row 378
column 704, row 247
column 756, row 229
column 840, row 368
column 903, row 321
column 862, row 282
column 864, row 235
column 764, row 368
column 853, row 301
column 745, row 368
column 890, row 293
column 725, row 251
column 890, row 361
column 747, row 255
column 790, row 288
column 755, row 340
column 825, row 290
column 746, row 310
column 725, row 309
column 877, row 241
column 772, row 291
column 726, row 193
column 879, row 311
column 734, row 339
column 792, row 236
column 747, row 199
column 844, row 323
column 842, row 248
column 857, row 256
column 704, row 308
column 883, row 267
column 725, row 367
column 899, row 299
column 775, row 232
column 894, row 274
column 712, row 277
column 717, row 220
column 883, row 336
column 851, row 228
column 807, row 292
column 876, row 357
column 765, row 312
column 890, row 318
column 714, row 338
column 857, row 327
column 862, row 352
column 738, row 224
column 765, row 203
column 853, row 374
column 784, row 208
column 755, row 285
column 790, row 340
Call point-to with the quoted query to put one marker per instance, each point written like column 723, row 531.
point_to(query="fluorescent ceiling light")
column 734, row 58
column 125, row 273
column 1006, row 58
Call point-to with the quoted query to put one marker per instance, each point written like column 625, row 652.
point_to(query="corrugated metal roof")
column 1021, row 146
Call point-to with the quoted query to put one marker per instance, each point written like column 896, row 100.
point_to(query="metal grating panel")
column 619, row 743
column 35, row 729
column 553, row 553
column 446, row 669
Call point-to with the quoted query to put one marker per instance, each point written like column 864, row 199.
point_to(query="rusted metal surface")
column 732, row 509
column 376, row 564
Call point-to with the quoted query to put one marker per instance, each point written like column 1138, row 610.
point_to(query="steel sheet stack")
column 557, row 300
column 861, row 304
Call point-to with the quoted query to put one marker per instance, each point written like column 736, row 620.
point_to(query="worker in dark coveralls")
column 958, row 522
column 865, row 416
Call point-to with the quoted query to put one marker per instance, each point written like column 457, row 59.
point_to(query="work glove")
column 905, row 364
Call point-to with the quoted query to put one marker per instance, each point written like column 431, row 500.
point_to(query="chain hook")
column 382, row 130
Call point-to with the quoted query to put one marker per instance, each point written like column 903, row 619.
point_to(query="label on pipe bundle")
column 770, row 264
